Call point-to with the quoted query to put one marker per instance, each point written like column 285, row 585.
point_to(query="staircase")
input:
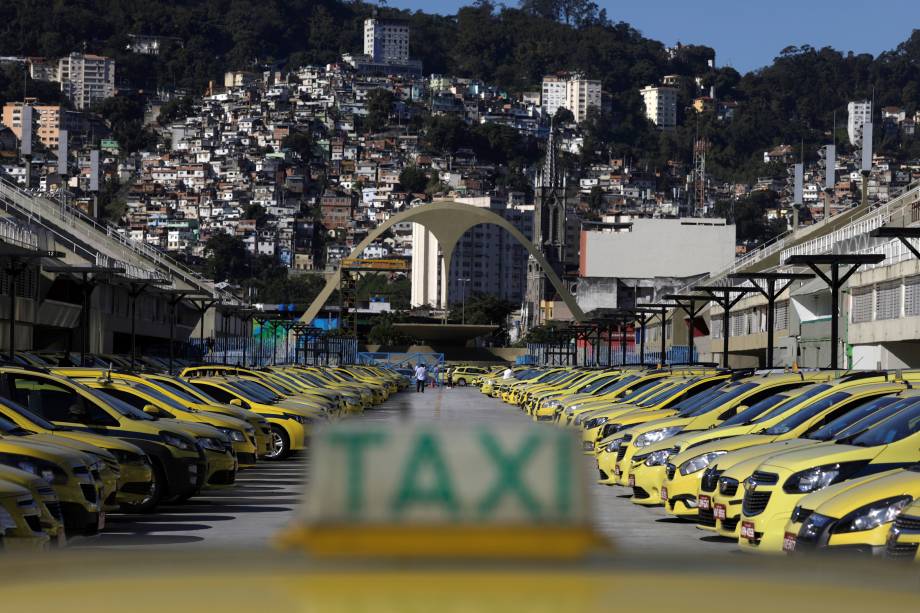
column 101, row 244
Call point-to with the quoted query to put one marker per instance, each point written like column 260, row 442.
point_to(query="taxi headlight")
column 49, row 471
column 211, row 444
column 658, row 458
column 813, row 526
column 654, row 436
column 596, row 422
column 819, row 477
column 298, row 418
column 872, row 515
column 699, row 462
column 613, row 446
column 174, row 440
column 234, row 435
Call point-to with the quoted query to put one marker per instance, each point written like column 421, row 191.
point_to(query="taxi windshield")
column 697, row 399
column 804, row 414
column 669, row 391
column 597, row 383
column 616, row 384
column 639, row 391
column 751, row 414
column 35, row 418
column 121, row 406
column 797, row 400
column 8, row 427
column 179, row 391
column 719, row 400
column 253, row 391
column 893, row 429
column 862, row 416
column 158, row 395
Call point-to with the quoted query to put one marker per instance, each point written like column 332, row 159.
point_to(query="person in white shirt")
column 507, row 374
column 421, row 377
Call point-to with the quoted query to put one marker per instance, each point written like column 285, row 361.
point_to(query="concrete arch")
column 448, row 221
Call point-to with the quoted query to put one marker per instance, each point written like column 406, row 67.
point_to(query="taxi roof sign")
column 466, row 489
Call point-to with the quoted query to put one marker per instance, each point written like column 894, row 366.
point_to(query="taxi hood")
column 820, row 455
column 839, row 499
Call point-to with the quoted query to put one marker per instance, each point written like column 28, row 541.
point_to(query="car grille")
column 670, row 469
column 609, row 429
column 710, row 479
column 603, row 474
column 640, row 493
column 901, row 551
column 728, row 487
column 762, row 478
column 35, row 522
column 799, row 514
column 89, row 491
column 621, row 452
column 730, row 523
column 54, row 507
column 755, row 502
column 706, row 518
column 906, row 522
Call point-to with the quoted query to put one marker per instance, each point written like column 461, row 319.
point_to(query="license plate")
column 588, row 446
column 704, row 503
column 101, row 521
column 616, row 471
column 664, row 493
column 789, row 542
column 718, row 511
column 747, row 530
column 631, row 480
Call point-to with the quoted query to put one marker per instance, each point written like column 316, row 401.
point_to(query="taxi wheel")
column 281, row 444
column 153, row 500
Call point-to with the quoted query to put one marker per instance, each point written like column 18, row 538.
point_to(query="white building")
column 582, row 95
column 858, row 114
column 553, row 95
column 574, row 93
column 86, row 79
column 660, row 106
column 386, row 40
column 486, row 259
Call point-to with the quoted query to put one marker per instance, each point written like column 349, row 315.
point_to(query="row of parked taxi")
column 779, row 461
column 78, row 443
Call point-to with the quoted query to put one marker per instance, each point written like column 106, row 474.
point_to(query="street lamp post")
column 463, row 283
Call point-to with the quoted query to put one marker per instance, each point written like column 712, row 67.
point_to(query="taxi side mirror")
column 153, row 410
column 236, row 402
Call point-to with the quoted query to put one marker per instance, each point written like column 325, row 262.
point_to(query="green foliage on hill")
column 793, row 100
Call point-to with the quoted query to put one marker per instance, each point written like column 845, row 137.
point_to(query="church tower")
column 548, row 233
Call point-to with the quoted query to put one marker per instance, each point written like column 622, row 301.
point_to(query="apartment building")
column 660, row 105
column 859, row 113
column 86, row 79
column 553, row 94
column 574, row 93
column 386, row 40
column 48, row 121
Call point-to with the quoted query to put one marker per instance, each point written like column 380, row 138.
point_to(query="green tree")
column 413, row 179
column 300, row 142
column 226, row 258
column 379, row 108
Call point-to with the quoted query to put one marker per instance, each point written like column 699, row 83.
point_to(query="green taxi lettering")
column 355, row 444
column 426, row 457
column 509, row 479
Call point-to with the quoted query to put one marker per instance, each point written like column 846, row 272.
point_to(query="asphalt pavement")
column 265, row 498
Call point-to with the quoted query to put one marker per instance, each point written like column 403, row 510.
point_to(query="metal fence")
column 400, row 359
column 548, row 354
column 269, row 350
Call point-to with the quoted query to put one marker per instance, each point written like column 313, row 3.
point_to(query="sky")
column 748, row 34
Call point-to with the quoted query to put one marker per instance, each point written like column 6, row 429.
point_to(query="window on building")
column 781, row 316
column 861, row 310
column 888, row 300
column 912, row 296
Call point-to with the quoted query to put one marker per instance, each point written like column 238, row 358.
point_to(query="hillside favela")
column 326, row 305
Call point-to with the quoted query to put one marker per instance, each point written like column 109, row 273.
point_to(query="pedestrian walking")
column 448, row 374
column 421, row 377
column 435, row 373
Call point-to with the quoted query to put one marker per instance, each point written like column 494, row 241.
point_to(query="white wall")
column 659, row 248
